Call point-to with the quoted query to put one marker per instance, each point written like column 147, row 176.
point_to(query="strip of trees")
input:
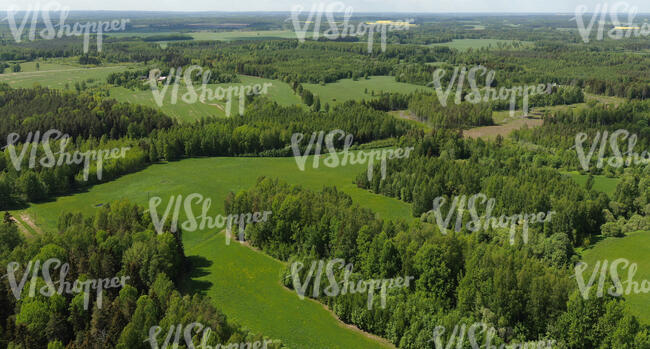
column 118, row 241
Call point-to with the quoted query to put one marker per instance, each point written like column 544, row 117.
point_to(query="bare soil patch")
column 491, row 132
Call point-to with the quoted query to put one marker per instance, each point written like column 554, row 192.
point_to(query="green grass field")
column 242, row 282
column 601, row 183
column 30, row 67
column 218, row 35
column 465, row 44
column 139, row 34
column 348, row 89
column 631, row 248
column 279, row 92
column 58, row 74
column 55, row 75
column 243, row 35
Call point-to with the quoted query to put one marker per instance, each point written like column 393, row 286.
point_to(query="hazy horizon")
column 359, row 6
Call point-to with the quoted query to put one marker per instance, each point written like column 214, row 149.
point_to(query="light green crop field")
column 29, row 67
column 632, row 247
column 56, row 75
column 348, row 89
column 243, row 35
column 138, row 34
column 216, row 177
column 601, row 183
column 243, row 283
column 218, row 35
column 465, row 44
column 278, row 91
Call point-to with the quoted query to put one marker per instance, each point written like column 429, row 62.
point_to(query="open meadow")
column 632, row 247
column 348, row 89
column 601, row 183
column 58, row 76
column 243, row 283
column 278, row 91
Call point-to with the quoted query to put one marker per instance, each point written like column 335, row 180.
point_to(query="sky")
column 429, row 6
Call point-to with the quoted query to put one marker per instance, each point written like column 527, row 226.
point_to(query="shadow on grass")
column 197, row 268
column 594, row 240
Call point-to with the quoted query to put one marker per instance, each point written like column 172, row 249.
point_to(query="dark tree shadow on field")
column 197, row 268
column 594, row 240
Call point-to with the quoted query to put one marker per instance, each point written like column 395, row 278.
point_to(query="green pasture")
column 348, row 89
column 465, row 44
column 138, row 34
column 205, row 35
column 601, row 183
column 242, row 282
column 215, row 177
column 243, row 35
column 181, row 110
column 56, row 75
column 634, row 248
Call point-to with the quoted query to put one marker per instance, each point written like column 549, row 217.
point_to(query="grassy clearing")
column 465, row 44
column 217, row 35
column 503, row 116
column 407, row 116
column 243, row 35
column 139, row 34
column 604, row 99
column 633, row 247
column 506, row 123
column 491, row 132
column 248, row 289
column 242, row 282
column 57, row 76
column 30, row 67
column 348, row 89
column 215, row 177
column 601, row 183
column 279, row 92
